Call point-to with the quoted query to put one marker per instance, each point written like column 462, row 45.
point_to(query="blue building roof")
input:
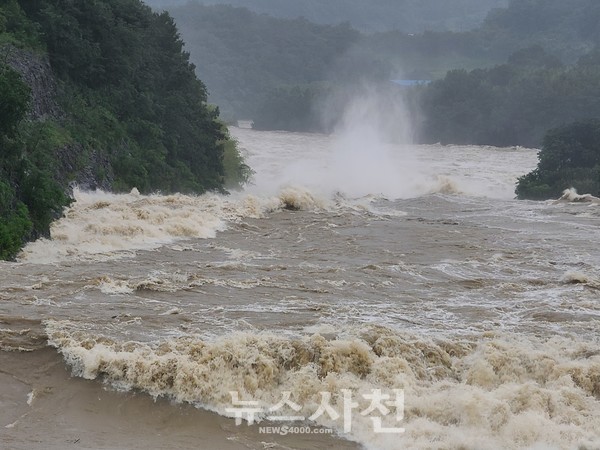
column 411, row 82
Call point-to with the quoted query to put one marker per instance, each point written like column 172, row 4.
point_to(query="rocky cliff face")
column 36, row 71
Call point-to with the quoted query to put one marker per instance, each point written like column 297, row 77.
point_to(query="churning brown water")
column 347, row 267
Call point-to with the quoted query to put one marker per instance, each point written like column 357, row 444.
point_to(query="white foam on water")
column 350, row 169
column 100, row 225
column 31, row 397
column 570, row 195
column 113, row 287
column 493, row 391
column 369, row 152
column 359, row 160
column 577, row 277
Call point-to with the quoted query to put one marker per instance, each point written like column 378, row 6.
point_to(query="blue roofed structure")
column 409, row 83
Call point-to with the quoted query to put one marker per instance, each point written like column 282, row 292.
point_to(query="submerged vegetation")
column 127, row 111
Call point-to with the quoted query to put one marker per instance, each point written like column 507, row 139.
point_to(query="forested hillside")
column 408, row 16
column 565, row 29
column 530, row 67
column 123, row 109
column 242, row 56
column 253, row 64
column 513, row 103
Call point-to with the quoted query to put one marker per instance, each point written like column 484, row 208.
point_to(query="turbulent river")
column 346, row 270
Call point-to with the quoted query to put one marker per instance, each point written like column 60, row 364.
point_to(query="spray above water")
column 332, row 299
column 571, row 196
column 370, row 153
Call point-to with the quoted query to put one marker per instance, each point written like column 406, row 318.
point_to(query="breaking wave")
column 575, row 277
column 571, row 195
column 104, row 225
column 361, row 159
column 444, row 185
column 489, row 392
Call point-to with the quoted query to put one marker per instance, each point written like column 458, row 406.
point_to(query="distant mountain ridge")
column 409, row 16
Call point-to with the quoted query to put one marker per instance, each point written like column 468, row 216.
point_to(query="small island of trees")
column 569, row 158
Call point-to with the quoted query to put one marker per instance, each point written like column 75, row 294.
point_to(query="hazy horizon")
column 409, row 16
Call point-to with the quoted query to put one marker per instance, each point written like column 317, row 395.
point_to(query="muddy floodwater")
column 345, row 270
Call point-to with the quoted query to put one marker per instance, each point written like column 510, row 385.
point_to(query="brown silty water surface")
column 339, row 268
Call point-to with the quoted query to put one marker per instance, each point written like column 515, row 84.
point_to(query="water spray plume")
column 371, row 153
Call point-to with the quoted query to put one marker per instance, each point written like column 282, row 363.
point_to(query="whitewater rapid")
column 343, row 268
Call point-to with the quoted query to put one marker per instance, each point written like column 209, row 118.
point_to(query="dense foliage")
column 291, row 108
column 566, row 29
column 511, row 104
column 125, row 68
column 14, row 218
column 242, row 56
column 570, row 157
column 253, row 62
column 551, row 75
column 29, row 195
column 133, row 112
column 409, row 16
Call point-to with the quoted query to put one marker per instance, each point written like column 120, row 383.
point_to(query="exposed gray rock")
column 96, row 173
column 88, row 169
column 36, row 71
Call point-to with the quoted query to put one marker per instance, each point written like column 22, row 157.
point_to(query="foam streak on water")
column 424, row 275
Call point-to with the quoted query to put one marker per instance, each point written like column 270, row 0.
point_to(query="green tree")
column 570, row 157
column 133, row 93
column 510, row 104
column 290, row 108
column 133, row 113
column 15, row 99
column 15, row 225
